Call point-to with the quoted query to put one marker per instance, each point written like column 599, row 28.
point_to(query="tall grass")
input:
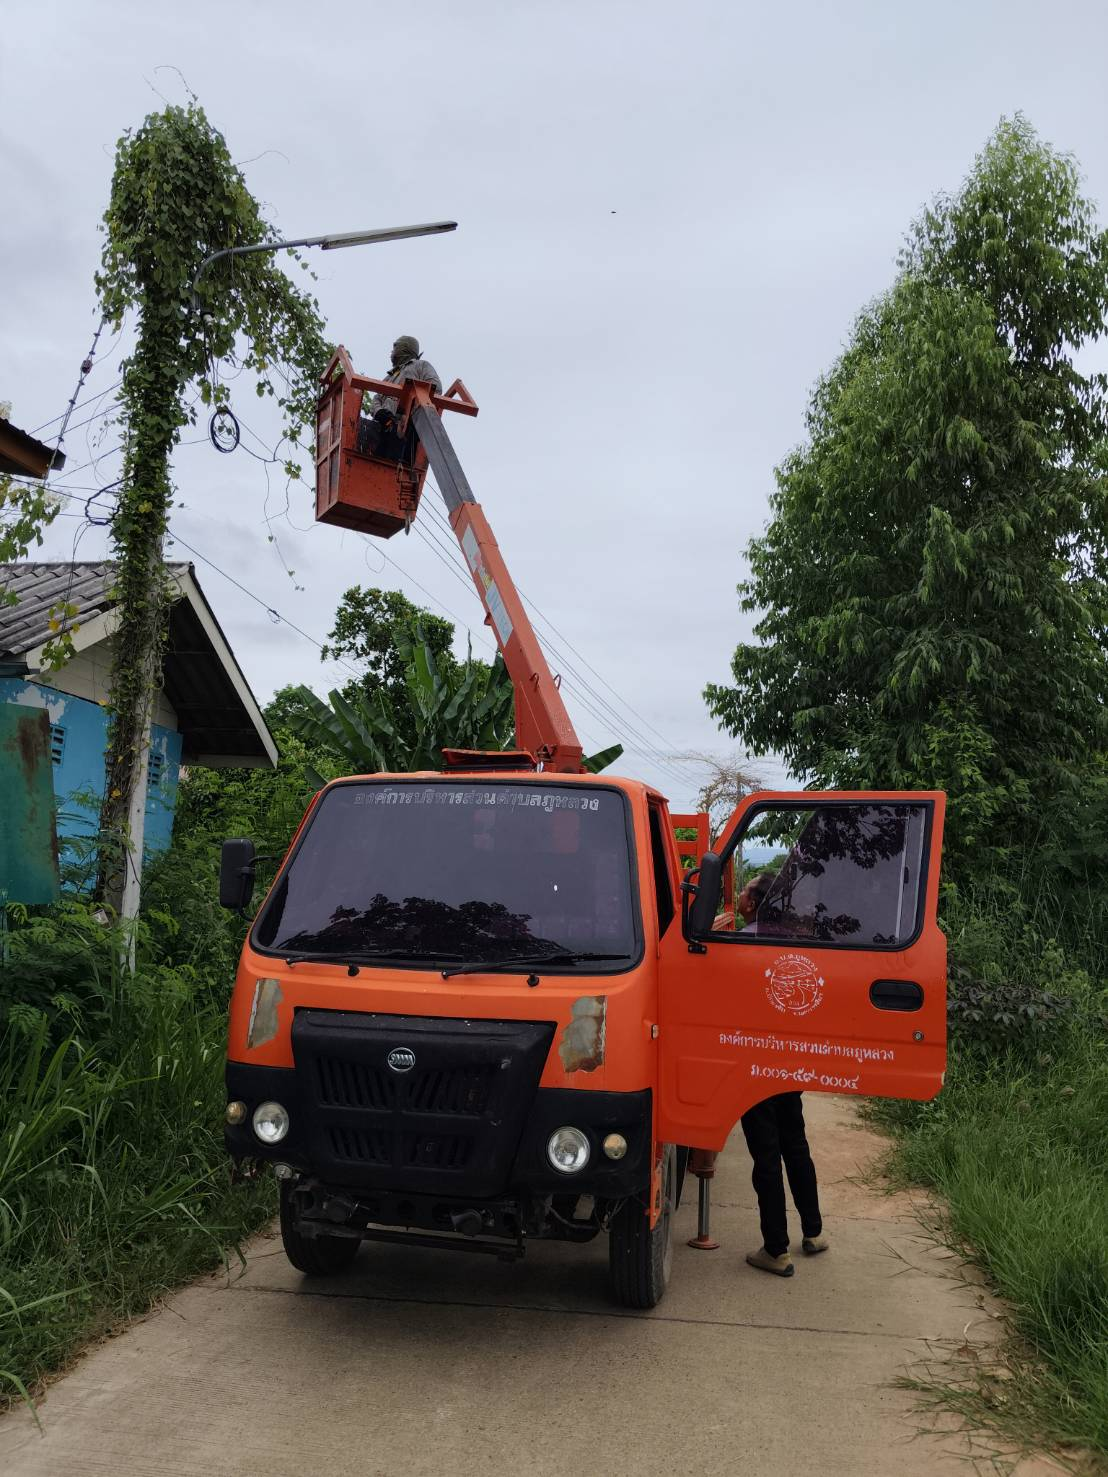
column 1017, row 1147
column 114, row 1183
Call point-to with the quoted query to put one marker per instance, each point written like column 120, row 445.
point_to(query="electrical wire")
column 71, row 490
column 87, row 401
column 644, row 747
column 467, row 584
column 96, row 415
column 272, row 458
column 270, row 610
column 665, row 758
column 275, row 614
column 87, row 520
column 586, row 696
column 652, row 748
column 434, row 599
column 72, row 472
column 450, row 557
column 445, row 557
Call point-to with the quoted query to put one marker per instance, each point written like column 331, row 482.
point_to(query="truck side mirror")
column 236, row 874
column 701, row 897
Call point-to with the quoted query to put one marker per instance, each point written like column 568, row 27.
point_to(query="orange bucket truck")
column 486, row 1004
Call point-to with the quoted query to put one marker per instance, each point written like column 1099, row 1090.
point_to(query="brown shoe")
column 813, row 1244
column 780, row 1266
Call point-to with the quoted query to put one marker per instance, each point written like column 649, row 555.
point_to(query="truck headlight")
column 568, row 1150
column 271, row 1122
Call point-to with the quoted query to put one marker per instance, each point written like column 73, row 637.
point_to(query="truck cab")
column 480, row 1008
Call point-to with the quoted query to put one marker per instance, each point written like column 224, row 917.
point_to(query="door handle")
column 896, row 995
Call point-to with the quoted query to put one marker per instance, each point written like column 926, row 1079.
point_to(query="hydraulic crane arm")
column 543, row 726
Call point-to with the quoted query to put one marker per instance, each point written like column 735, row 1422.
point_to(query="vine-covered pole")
column 177, row 199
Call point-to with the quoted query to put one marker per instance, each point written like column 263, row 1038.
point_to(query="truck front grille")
column 340, row 1083
column 452, row 1120
column 352, row 1146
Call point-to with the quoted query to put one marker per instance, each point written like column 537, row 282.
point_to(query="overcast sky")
column 669, row 216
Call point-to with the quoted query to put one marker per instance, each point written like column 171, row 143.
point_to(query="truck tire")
column 639, row 1259
column 315, row 1256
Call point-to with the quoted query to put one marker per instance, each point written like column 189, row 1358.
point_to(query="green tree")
column 278, row 712
column 932, row 591
column 370, row 627
column 365, row 628
column 176, row 199
column 444, row 704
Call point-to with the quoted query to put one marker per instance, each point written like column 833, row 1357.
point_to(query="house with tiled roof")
column 204, row 710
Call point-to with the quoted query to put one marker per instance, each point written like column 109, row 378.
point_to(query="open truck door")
column 837, row 983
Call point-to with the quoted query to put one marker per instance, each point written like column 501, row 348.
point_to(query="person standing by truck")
column 774, row 1131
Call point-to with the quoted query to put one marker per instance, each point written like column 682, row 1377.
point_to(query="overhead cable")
column 623, row 725
column 96, row 395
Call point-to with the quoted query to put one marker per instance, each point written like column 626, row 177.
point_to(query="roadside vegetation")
column 114, row 1182
column 931, row 603
column 1016, row 1148
column 113, row 1178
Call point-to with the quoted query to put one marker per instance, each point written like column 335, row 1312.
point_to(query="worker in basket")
column 377, row 424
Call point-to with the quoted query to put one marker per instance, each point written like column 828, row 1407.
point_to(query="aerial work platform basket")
column 372, row 492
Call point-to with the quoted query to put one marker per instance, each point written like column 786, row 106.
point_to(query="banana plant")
column 466, row 705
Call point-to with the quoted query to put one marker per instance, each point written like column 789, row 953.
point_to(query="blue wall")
column 79, row 733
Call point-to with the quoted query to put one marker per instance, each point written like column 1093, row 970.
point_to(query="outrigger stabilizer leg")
column 702, row 1163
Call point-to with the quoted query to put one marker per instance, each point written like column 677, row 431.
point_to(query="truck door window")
column 836, row 873
column 663, row 887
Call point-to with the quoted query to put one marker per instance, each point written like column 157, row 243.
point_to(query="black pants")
column 774, row 1132
column 377, row 436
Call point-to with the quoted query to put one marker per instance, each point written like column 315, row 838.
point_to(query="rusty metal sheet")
column 28, row 833
column 582, row 1044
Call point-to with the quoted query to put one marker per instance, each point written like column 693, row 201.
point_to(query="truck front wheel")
column 315, row 1256
column 639, row 1259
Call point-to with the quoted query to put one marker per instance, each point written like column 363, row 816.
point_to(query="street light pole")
column 331, row 242
column 133, row 802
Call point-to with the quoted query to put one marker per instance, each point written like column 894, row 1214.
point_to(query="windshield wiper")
column 368, row 956
column 523, row 961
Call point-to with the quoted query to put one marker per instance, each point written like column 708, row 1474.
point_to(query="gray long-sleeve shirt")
column 414, row 369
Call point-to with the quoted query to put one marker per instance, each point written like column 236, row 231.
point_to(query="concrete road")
column 424, row 1362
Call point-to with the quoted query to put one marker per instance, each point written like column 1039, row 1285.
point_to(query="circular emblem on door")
column 401, row 1059
column 795, row 984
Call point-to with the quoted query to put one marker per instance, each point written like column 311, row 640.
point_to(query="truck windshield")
column 457, row 871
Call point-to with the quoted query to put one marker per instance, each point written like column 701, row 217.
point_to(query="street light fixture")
column 331, row 242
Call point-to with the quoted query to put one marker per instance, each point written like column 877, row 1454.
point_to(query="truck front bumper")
column 378, row 1150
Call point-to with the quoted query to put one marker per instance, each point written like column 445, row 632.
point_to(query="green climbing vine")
column 26, row 510
column 176, row 198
